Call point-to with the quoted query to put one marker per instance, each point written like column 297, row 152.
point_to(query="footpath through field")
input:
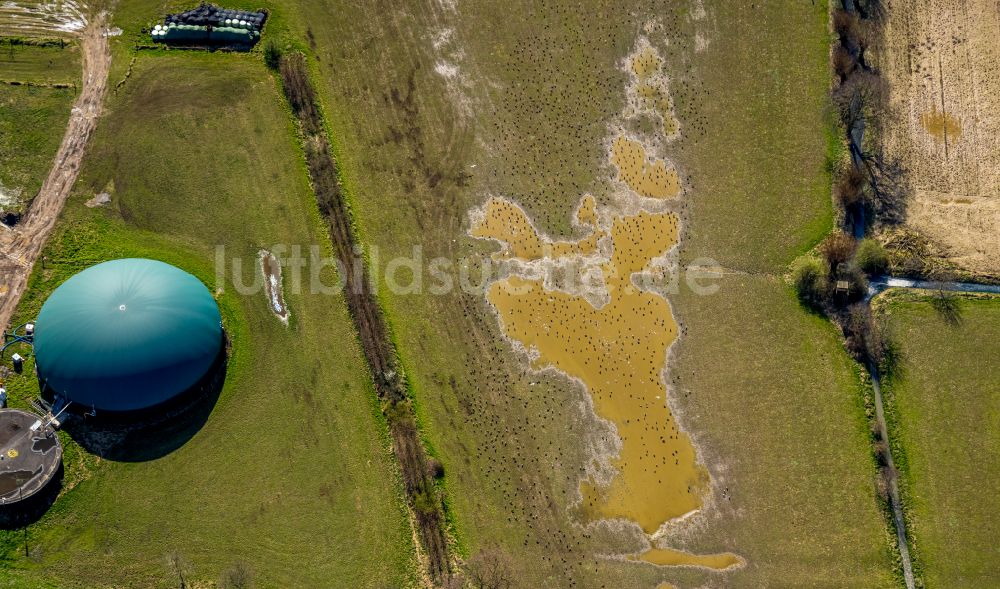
column 21, row 246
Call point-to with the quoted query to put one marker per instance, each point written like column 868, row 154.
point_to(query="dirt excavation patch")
column 942, row 62
column 271, row 268
column 589, row 309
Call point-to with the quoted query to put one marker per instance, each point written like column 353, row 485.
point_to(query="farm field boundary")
column 427, row 508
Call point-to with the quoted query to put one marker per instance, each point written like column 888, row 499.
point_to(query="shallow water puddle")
column 668, row 557
column 648, row 91
column 618, row 351
column 650, row 178
column 941, row 125
column 617, row 346
column 506, row 222
column 271, row 268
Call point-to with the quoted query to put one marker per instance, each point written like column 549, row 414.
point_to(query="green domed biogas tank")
column 127, row 335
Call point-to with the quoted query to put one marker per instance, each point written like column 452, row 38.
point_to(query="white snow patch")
column 98, row 200
column 66, row 16
column 700, row 42
column 10, row 196
column 445, row 69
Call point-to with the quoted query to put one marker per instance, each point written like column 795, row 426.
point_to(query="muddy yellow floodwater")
column 653, row 178
column 941, row 125
column 668, row 557
column 650, row 87
column 619, row 352
column 645, row 62
column 654, row 97
column 506, row 222
column 586, row 214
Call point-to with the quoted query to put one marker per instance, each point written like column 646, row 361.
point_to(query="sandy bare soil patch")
column 941, row 60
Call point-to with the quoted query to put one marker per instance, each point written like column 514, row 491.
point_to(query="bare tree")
column 490, row 569
column 946, row 304
column 846, row 24
column 869, row 339
column 454, row 581
column 179, row 566
column 873, row 11
column 238, row 576
column 843, row 62
column 862, row 93
column 889, row 187
column 848, row 186
column 837, row 249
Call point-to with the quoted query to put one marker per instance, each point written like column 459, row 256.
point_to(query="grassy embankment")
column 944, row 416
column 291, row 474
column 419, row 474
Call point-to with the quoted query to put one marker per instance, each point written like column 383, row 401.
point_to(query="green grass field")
column 432, row 110
column 522, row 110
column 32, row 124
column 292, row 472
column 946, row 420
column 777, row 408
column 762, row 103
column 32, row 64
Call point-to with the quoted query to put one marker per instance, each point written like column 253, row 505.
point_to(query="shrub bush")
column 857, row 284
column 846, row 24
column 811, row 281
column 238, row 576
column 272, row 54
column 843, row 62
column 871, row 257
column 425, row 503
column 434, row 468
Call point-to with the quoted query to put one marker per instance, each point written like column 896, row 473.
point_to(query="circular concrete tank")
column 29, row 458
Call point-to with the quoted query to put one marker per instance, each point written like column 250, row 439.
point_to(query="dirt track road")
column 21, row 246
